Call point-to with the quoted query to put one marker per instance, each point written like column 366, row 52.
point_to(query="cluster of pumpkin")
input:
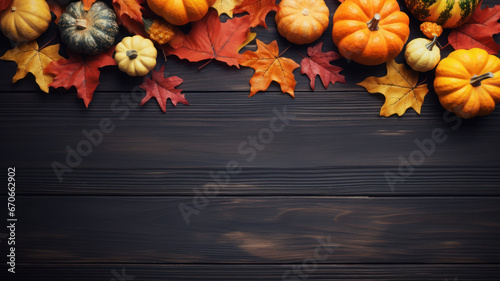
column 369, row 32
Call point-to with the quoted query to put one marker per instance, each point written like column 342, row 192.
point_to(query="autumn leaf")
column 225, row 6
column 257, row 9
column 55, row 8
column 4, row 4
column 318, row 63
column 30, row 58
column 163, row 89
column 399, row 87
column 131, row 8
column 211, row 39
column 251, row 36
column 478, row 31
column 87, row 4
column 132, row 26
column 269, row 66
column 81, row 72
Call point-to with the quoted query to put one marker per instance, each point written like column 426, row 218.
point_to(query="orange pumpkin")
column 302, row 21
column 370, row 32
column 25, row 20
column 468, row 82
column 180, row 12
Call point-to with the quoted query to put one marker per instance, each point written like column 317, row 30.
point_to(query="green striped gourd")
column 88, row 32
column 447, row 13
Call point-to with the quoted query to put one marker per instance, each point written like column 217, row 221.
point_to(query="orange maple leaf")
column 87, row 4
column 257, row 9
column 132, row 8
column 269, row 66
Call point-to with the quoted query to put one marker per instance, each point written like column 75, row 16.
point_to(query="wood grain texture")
column 258, row 230
column 186, row 272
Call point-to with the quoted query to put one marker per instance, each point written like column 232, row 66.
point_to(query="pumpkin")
column 135, row 55
column 88, row 32
column 370, row 34
column 468, row 82
column 422, row 54
column 302, row 21
column 447, row 13
column 159, row 30
column 180, row 12
column 25, row 20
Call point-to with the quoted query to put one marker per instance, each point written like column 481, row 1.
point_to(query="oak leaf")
column 4, row 4
column 318, row 63
column 210, row 39
column 478, row 31
column 87, row 4
column 257, row 9
column 269, row 66
column 399, row 87
column 162, row 89
column 225, row 6
column 81, row 72
column 30, row 58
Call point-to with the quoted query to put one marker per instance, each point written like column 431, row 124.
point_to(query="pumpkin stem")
column 373, row 23
column 432, row 44
column 476, row 80
column 13, row 9
column 131, row 54
column 305, row 12
column 81, row 23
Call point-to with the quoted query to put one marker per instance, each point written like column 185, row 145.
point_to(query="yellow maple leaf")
column 399, row 87
column 225, row 6
column 30, row 58
column 251, row 36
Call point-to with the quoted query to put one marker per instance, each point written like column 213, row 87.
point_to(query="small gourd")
column 135, row 55
column 159, row 30
column 302, row 21
column 422, row 54
column 88, row 32
column 468, row 82
column 25, row 20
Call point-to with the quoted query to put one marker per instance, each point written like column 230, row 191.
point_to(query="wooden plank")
column 258, row 230
column 183, row 272
column 340, row 130
column 218, row 76
column 336, row 181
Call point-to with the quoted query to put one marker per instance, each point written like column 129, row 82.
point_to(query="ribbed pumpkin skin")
column 146, row 55
column 302, row 21
column 419, row 57
column 452, row 82
column 30, row 19
column 357, row 42
column 447, row 13
column 180, row 12
column 99, row 34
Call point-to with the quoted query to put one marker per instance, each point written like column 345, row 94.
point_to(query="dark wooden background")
column 323, row 176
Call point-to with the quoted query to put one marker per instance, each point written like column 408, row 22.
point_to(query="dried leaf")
column 478, row 31
column 318, row 63
column 399, row 87
column 225, row 6
column 134, row 27
column 30, row 58
column 55, row 8
column 163, row 89
column 4, row 4
column 211, row 39
column 257, row 9
column 131, row 8
column 87, row 4
column 269, row 66
column 251, row 36
column 81, row 72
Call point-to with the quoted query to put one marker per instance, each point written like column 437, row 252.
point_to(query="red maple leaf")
column 478, row 31
column 318, row 63
column 133, row 26
column 162, row 89
column 132, row 8
column 209, row 38
column 4, row 4
column 81, row 72
column 257, row 9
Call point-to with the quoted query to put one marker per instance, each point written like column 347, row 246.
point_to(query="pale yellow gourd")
column 422, row 54
column 136, row 55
